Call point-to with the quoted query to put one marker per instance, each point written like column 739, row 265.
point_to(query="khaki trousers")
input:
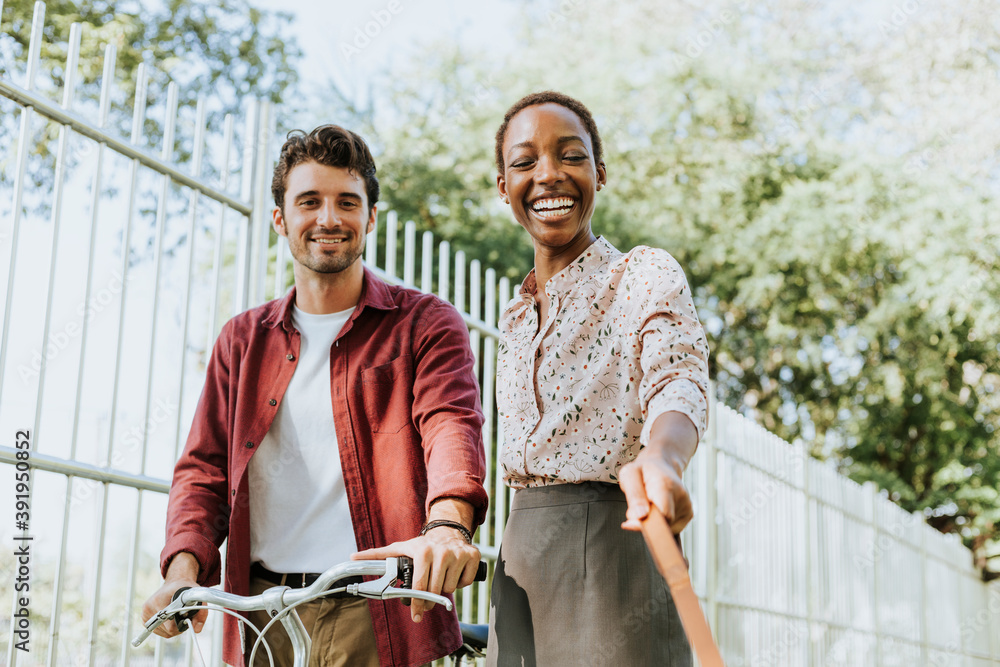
column 340, row 629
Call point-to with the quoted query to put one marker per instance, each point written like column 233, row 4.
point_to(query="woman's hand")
column 655, row 475
column 651, row 479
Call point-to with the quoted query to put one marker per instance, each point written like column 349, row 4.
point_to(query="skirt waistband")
column 567, row 494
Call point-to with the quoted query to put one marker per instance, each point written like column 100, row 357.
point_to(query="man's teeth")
column 550, row 208
column 328, row 240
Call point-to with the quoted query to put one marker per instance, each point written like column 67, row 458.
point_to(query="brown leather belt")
column 296, row 579
column 670, row 563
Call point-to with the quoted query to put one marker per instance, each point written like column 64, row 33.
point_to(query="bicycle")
column 280, row 603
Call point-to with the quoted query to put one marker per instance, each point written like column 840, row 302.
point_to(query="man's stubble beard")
column 335, row 264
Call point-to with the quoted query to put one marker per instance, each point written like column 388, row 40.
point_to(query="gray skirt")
column 572, row 588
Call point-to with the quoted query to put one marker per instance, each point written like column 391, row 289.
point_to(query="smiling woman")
column 553, row 170
column 602, row 378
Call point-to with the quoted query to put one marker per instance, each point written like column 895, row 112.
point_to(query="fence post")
column 391, row 224
column 993, row 591
column 20, row 174
column 259, row 222
column 72, row 62
column 444, row 270
column 410, row 253
column 924, row 639
column 711, row 509
column 244, row 256
column 427, row 262
column 872, row 489
column 807, row 518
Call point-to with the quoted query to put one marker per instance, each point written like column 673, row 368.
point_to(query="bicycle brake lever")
column 142, row 636
column 375, row 589
column 393, row 592
column 155, row 621
column 383, row 589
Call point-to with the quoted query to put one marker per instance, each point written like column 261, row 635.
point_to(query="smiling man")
column 343, row 416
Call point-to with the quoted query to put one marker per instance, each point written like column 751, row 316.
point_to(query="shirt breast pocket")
column 387, row 391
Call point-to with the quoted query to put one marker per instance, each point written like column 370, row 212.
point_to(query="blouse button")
column 290, row 357
column 272, row 402
column 249, row 445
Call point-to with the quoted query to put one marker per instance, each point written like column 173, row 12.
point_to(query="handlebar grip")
column 406, row 570
column 182, row 618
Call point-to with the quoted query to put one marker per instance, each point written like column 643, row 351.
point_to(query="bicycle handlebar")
column 388, row 572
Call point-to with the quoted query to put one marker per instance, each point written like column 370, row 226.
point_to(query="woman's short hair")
column 330, row 145
column 547, row 97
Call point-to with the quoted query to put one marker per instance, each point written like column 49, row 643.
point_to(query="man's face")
column 325, row 217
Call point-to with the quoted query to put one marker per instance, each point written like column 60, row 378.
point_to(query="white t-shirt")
column 300, row 520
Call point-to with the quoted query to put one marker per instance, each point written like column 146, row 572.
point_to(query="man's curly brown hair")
column 546, row 97
column 330, row 145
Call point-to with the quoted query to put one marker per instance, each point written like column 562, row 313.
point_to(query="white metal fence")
column 123, row 265
column 802, row 566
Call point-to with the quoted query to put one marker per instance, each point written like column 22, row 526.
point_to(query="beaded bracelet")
column 451, row 524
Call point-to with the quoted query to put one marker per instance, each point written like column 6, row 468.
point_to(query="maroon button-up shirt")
column 408, row 418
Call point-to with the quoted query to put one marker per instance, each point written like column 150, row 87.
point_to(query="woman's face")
column 550, row 175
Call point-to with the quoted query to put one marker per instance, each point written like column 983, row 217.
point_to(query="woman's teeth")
column 552, row 208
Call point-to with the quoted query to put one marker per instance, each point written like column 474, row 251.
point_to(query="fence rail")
column 110, row 312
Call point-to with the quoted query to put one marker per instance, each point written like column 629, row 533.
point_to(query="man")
column 340, row 417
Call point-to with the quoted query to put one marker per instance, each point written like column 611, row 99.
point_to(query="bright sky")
column 350, row 41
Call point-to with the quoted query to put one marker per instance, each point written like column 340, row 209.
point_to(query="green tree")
column 226, row 51
column 844, row 258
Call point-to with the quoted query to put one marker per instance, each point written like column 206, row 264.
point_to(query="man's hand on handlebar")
column 182, row 573
column 442, row 563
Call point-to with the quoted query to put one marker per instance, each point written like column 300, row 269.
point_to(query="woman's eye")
column 575, row 158
column 521, row 163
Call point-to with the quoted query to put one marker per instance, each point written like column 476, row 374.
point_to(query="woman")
column 602, row 385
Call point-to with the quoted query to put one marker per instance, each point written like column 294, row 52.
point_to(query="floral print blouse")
column 621, row 345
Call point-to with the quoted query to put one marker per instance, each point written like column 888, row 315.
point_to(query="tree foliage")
column 228, row 52
column 843, row 255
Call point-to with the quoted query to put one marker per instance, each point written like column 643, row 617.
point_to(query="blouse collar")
column 596, row 255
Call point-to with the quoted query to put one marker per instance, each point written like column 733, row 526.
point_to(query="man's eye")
column 521, row 163
column 575, row 158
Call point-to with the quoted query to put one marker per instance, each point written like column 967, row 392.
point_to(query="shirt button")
column 272, row 402
column 249, row 445
column 290, row 357
column 234, row 493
